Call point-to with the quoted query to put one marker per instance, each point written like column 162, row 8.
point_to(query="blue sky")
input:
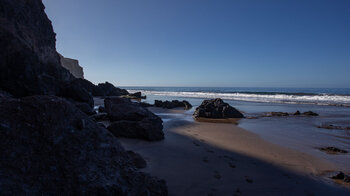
column 242, row 43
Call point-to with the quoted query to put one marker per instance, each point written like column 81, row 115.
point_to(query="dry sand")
column 201, row 158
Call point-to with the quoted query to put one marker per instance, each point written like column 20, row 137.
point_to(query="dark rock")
column 49, row 147
column 310, row 113
column 339, row 176
column 132, row 120
column 346, row 178
column 123, row 109
column 333, row 150
column 271, row 114
column 297, row 113
column 173, row 104
column 29, row 62
column 147, row 129
column 101, row 109
column 137, row 95
column 137, row 160
column 216, row 108
column 333, row 127
column 187, row 105
column 91, row 88
column 100, row 116
column 110, row 90
column 77, row 93
column 144, row 104
column 101, row 124
column 84, row 107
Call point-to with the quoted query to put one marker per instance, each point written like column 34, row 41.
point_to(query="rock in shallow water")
column 333, row 150
column 173, row 104
column 49, row 147
column 216, row 108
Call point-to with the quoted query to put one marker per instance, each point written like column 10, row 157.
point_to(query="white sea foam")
column 320, row 99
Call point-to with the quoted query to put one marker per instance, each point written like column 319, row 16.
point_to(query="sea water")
column 296, row 132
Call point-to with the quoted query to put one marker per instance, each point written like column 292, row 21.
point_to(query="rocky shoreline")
column 51, row 141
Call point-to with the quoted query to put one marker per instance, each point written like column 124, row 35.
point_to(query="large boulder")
column 132, row 120
column 75, row 92
column 216, row 108
column 147, row 129
column 110, row 90
column 91, row 88
column 49, row 147
column 173, row 104
column 29, row 62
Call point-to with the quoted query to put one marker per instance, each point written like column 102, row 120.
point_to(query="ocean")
column 298, row 133
column 320, row 96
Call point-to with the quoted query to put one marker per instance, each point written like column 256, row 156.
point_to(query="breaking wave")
column 268, row 97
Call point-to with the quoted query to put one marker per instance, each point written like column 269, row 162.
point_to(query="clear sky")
column 230, row 43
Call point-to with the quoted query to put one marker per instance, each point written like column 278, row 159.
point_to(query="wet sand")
column 201, row 158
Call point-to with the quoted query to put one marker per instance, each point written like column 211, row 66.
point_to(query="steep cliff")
column 29, row 62
column 48, row 146
column 72, row 65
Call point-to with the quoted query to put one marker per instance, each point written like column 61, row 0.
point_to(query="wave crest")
column 320, row 99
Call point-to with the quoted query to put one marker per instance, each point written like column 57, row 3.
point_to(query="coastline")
column 201, row 158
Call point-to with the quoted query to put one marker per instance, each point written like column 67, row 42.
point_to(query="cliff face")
column 72, row 65
column 29, row 62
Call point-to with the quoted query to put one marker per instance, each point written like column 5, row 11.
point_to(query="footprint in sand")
column 210, row 151
column 237, row 193
column 205, row 159
column 231, row 164
column 196, row 143
column 217, row 175
column 228, row 157
column 248, row 179
column 212, row 192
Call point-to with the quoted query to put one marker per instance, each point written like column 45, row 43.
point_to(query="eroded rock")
column 333, row 150
column 132, row 120
column 110, row 90
column 173, row 104
column 216, row 108
column 49, row 147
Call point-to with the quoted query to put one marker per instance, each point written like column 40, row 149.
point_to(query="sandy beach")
column 202, row 158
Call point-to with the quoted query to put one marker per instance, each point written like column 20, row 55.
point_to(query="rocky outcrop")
column 131, row 120
column 274, row 114
column 216, row 108
column 173, row 104
column 29, row 62
column 49, row 147
column 310, row 113
column 137, row 160
column 72, row 65
column 146, row 129
column 75, row 93
column 84, row 107
column 136, row 95
column 110, row 90
column 333, row 150
column 335, row 127
column 341, row 176
column 285, row 114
